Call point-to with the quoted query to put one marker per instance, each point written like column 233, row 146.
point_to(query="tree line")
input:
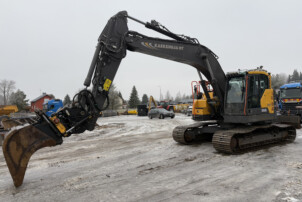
column 134, row 98
column 10, row 96
column 280, row 79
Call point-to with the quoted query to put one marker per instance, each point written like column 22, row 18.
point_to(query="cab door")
column 235, row 96
column 257, row 84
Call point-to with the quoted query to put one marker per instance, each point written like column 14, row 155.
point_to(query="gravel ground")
column 130, row 158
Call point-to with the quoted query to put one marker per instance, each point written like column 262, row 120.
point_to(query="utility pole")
column 160, row 95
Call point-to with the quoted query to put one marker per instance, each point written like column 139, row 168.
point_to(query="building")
column 39, row 101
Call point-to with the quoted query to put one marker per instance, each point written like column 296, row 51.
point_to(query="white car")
column 189, row 111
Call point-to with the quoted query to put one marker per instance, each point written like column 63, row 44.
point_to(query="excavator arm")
column 113, row 43
column 151, row 100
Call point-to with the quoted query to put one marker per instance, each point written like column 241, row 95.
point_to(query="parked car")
column 160, row 113
column 189, row 111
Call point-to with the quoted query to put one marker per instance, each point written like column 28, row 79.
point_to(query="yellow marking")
column 59, row 125
column 147, row 44
column 107, row 84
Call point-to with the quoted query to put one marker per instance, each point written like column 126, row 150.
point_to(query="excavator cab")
column 249, row 97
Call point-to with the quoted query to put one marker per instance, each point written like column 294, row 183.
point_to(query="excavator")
column 242, row 105
column 143, row 109
column 151, row 100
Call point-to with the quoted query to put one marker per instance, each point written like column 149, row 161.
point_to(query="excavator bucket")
column 19, row 145
column 9, row 123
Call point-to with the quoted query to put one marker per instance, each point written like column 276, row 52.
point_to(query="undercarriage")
column 235, row 138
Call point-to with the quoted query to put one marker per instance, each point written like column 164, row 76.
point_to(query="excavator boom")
column 115, row 39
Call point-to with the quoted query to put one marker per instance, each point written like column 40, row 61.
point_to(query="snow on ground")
column 130, row 158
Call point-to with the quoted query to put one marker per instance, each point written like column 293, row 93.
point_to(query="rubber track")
column 222, row 139
column 178, row 133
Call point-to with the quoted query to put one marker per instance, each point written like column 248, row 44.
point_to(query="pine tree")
column 295, row 76
column 133, row 100
column 289, row 79
column 18, row 98
column 300, row 76
column 145, row 99
column 66, row 100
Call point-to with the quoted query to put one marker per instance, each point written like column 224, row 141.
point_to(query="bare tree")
column 6, row 88
column 1, row 100
column 114, row 98
column 178, row 97
column 168, row 96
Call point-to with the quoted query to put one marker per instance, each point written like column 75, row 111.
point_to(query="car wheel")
column 150, row 117
column 172, row 117
column 161, row 116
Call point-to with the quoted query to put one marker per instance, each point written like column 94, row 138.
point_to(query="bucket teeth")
column 19, row 145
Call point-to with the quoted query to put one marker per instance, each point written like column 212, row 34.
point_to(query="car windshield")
column 291, row 93
column 162, row 103
column 162, row 110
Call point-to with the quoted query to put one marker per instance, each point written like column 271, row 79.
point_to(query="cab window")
column 236, row 90
column 256, row 88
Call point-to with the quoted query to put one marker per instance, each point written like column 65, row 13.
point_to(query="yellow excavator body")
column 132, row 112
column 8, row 109
column 267, row 101
column 201, row 109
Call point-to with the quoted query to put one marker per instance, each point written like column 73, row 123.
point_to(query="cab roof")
column 250, row 71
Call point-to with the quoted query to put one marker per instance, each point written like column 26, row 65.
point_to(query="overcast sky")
column 47, row 46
